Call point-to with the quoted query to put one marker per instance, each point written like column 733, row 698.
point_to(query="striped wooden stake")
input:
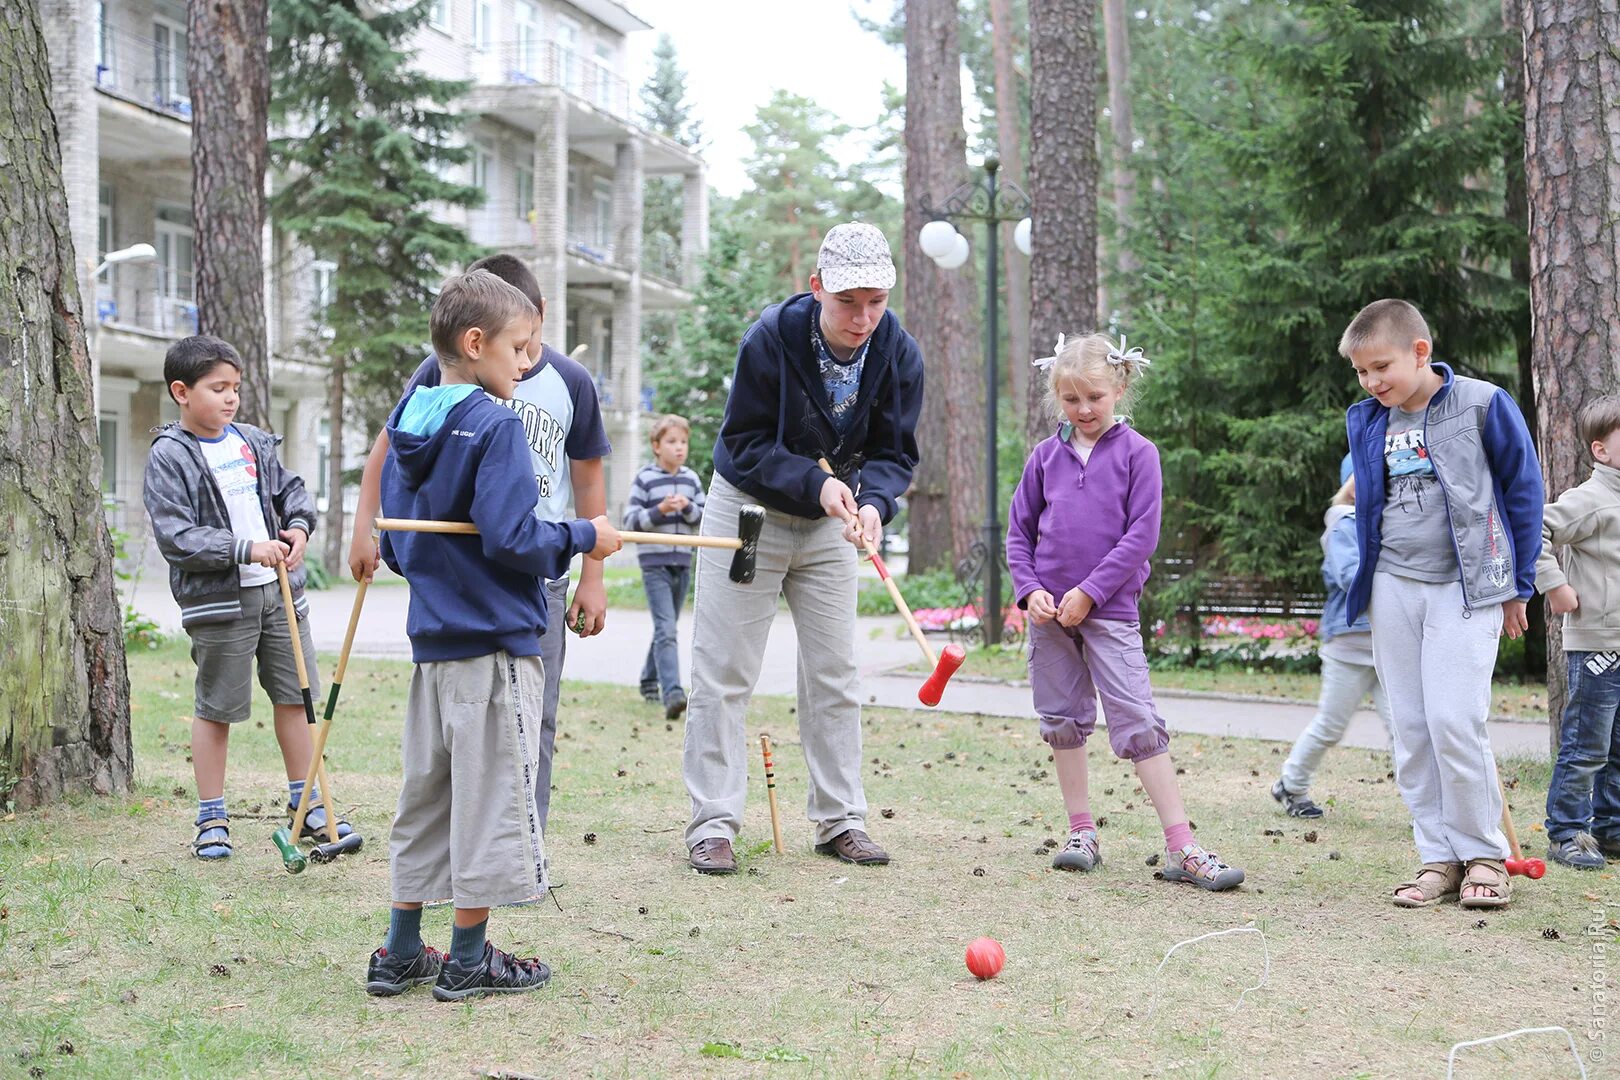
column 770, row 791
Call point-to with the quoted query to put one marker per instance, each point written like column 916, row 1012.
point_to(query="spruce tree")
column 368, row 138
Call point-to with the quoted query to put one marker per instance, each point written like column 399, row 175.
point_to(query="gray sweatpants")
column 810, row 563
column 466, row 826
column 1435, row 662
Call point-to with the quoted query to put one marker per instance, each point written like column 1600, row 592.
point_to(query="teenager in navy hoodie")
column 466, row 826
column 825, row 374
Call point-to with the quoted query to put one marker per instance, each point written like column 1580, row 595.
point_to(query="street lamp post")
column 981, row 201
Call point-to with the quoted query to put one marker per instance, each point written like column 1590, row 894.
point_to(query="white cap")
column 855, row 256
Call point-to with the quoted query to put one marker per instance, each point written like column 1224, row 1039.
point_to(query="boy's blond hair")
column 1394, row 322
column 475, row 299
column 667, row 423
column 1094, row 360
column 1346, row 495
column 1599, row 419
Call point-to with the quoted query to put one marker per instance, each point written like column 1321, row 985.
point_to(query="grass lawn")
column 120, row 956
column 1513, row 700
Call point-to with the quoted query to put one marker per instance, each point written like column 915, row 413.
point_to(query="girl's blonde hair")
column 1093, row 360
column 1346, row 495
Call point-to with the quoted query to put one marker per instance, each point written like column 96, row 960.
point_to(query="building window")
column 439, row 15
column 483, row 23
column 483, row 167
column 104, row 222
column 323, row 290
column 173, row 239
column 323, row 448
column 107, row 431
column 568, row 54
column 604, row 77
column 170, row 89
column 526, row 22
column 524, row 179
column 602, row 201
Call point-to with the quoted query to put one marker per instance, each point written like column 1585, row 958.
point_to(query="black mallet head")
column 750, row 520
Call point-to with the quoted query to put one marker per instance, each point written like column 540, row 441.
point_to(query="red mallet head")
column 950, row 658
column 1530, row 868
column 985, row 957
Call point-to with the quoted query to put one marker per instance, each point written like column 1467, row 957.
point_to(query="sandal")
column 1435, row 881
column 218, row 848
column 317, row 833
column 1492, row 876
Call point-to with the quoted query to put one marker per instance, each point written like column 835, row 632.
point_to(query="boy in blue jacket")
column 1448, row 524
column 829, row 373
column 467, row 826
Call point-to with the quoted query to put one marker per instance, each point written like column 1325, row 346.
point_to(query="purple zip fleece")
column 1093, row 525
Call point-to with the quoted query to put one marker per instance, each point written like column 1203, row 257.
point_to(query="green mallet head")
column 292, row 860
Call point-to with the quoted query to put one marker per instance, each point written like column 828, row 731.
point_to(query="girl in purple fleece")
column 1083, row 525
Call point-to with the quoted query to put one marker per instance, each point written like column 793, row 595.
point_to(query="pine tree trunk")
column 1516, row 208
column 1116, row 31
column 229, row 70
column 1572, row 124
column 1063, row 181
column 333, row 548
column 947, row 503
column 1010, row 142
column 65, row 724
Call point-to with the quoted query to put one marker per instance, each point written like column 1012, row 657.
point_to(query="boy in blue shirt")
column 467, row 826
column 1448, row 527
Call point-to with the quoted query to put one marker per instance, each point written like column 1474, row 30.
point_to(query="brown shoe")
column 713, row 856
column 854, row 846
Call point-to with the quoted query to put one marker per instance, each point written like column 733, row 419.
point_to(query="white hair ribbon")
column 1133, row 357
column 1044, row 362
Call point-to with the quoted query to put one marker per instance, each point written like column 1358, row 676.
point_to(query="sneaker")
column 1609, row 845
column 1579, row 852
column 1195, row 866
column 650, row 694
column 675, row 705
column 1297, row 805
column 496, row 972
column 1081, row 853
column 389, row 975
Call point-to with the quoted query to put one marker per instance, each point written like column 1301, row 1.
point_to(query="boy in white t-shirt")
column 216, row 491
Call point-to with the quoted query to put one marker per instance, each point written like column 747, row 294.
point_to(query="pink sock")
column 1178, row 836
column 1080, row 821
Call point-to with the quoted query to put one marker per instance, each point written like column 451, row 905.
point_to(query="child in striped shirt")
column 666, row 497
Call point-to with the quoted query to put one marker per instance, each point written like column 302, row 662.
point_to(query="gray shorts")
column 467, row 827
column 224, row 654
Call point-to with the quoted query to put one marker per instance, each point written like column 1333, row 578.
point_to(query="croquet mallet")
column 944, row 665
column 287, row 843
column 770, row 791
column 1517, row 864
column 750, row 520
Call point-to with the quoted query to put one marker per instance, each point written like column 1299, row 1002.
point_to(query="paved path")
column 616, row 655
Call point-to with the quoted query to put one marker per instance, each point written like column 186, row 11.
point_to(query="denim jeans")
column 665, row 587
column 1585, row 791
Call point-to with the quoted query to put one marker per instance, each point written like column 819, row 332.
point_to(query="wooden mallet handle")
column 770, row 791
column 1518, row 864
column 467, row 528
column 317, row 766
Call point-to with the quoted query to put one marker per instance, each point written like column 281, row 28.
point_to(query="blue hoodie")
column 777, row 421
column 471, row 595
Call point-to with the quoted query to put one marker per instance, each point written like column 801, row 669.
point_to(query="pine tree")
column 663, row 98
column 361, row 174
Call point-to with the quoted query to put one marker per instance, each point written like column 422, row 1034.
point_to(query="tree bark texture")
column 1572, row 174
column 1063, row 182
column 1010, row 142
column 65, row 724
column 1116, row 34
column 229, row 71
column 947, row 503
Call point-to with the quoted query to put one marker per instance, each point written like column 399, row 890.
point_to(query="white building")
column 557, row 147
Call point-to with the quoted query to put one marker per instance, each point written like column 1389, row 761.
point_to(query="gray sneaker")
column 1580, row 852
column 1195, row 866
column 1081, row 853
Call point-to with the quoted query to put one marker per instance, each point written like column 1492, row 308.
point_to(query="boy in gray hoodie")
column 1583, row 803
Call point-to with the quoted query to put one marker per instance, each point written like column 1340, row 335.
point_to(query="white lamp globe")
column 956, row 256
column 1021, row 233
column 936, row 238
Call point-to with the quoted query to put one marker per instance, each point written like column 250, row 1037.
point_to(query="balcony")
column 158, row 302
column 546, row 63
column 145, row 72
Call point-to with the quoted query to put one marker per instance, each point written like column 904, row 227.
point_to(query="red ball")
column 985, row 957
